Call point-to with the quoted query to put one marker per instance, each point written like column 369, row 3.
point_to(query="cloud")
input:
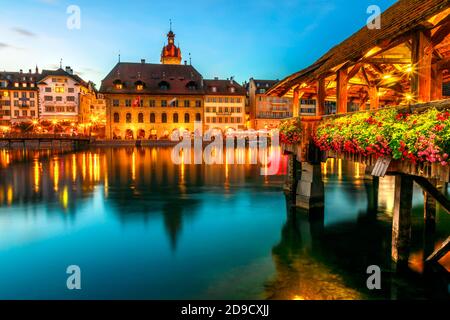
column 4, row 46
column 23, row 32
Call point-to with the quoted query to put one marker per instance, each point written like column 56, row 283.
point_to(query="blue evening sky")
column 247, row 38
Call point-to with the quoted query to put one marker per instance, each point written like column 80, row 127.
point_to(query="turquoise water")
column 140, row 227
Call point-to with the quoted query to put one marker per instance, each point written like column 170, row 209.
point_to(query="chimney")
column 69, row 70
column 185, row 62
column 21, row 71
column 143, row 61
column 216, row 78
column 29, row 71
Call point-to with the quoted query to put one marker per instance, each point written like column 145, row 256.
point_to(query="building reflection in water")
column 323, row 255
column 138, row 183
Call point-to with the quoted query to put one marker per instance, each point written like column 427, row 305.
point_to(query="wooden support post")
column 374, row 98
column 296, row 103
column 421, row 56
column 341, row 91
column 401, row 224
column 436, row 82
column 321, row 95
column 430, row 210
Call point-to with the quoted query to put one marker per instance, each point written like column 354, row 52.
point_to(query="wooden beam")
column 296, row 103
column 354, row 71
column 389, row 60
column 341, row 91
column 441, row 33
column 440, row 252
column 374, row 98
column 321, row 96
column 401, row 222
column 428, row 187
column 421, row 56
column 436, row 83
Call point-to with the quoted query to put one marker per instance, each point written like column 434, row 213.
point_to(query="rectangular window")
column 48, row 98
column 59, row 89
column 16, row 113
column 174, row 103
column 16, row 94
column 71, row 90
column 59, row 99
column 213, row 119
column 198, row 103
column 115, row 103
column 60, row 109
column 24, row 94
column 186, row 103
column 152, row 103
column 24, row 113
column 31, row 103
column 70, row 109
column 128, row 103
column 71, row 98
column 163, row 103
column 208, row 119
column 48, row 89
column 33, row 113
column 16, row 103
column 32, row 95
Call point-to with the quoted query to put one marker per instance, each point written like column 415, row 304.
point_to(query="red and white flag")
column 137, row 102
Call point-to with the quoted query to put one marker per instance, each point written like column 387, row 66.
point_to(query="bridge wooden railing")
column 47, row 136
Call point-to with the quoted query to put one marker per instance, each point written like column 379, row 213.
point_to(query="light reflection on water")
column 142, row 227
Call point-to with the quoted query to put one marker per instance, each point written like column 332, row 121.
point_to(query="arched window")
column 141, row 118
column 152, row 118
column 164, row 118
column 186, row 118
column 175, row 118
column 128, row 118
column 164, row 85
column 116, row 117
column 198, row 117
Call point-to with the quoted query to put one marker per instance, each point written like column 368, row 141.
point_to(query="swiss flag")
column 137, row 102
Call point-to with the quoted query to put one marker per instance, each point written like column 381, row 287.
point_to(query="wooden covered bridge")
column 404, row 64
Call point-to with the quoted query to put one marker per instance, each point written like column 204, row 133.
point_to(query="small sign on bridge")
column 381, row 166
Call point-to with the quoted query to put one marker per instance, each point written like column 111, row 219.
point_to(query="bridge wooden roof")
column 398, row 21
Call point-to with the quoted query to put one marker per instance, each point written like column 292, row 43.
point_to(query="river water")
column 141, row 227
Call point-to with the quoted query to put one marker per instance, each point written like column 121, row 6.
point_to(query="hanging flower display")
column 291, row 131
column 418, row 137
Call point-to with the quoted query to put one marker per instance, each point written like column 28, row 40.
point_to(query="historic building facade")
column 18, row 97
column 224, row 105
column 145, row 100
column 60, row 93
column 266, row 112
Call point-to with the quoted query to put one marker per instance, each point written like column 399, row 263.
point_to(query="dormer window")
column 214, row 89
column 139, row 85
column 191, row 85
column 118, row 84
column 16, row 84
column 24, row 85
column 232, row 89
column 164, row 85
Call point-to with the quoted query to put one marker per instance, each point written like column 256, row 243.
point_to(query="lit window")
column 59, row 89
column 139, row 87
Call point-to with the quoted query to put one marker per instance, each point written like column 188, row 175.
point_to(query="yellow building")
column 224, row 105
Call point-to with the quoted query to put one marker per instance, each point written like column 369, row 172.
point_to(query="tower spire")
column 170, row 22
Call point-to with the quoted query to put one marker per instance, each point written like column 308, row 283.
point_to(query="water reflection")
column 196, row 231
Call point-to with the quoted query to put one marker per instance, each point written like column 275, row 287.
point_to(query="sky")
column 263, row 39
